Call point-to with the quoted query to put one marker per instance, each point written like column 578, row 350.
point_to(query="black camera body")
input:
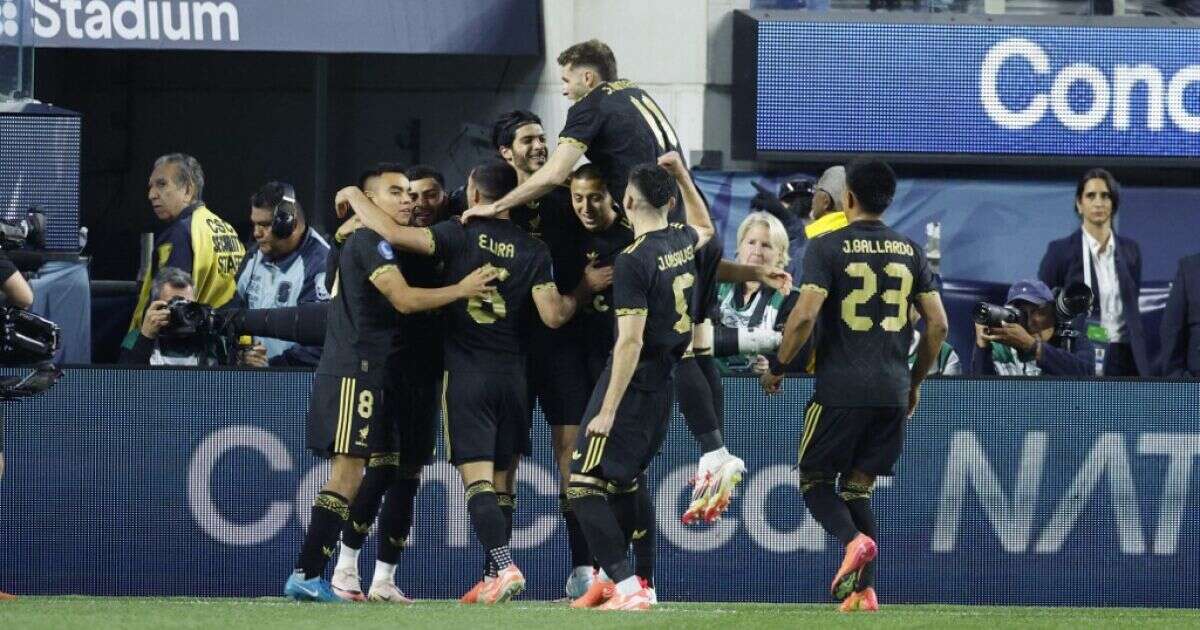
column 186, row 318
column 31, row 230
column 27, row 340
column 995, row 315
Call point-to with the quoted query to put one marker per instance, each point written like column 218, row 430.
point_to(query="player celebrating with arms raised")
column 858, row 283
column 630, row 408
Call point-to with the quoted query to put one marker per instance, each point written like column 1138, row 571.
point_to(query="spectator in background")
column 195, row 240
column 947, row 363
column 1031, row 348
column 156, row 342
column 1112, row 266
column 827, row 211
column 287, row 268
column 1181, row 323
column 792, row 206
column 751, row 314
column 427, row 189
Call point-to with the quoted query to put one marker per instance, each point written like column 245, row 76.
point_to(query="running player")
column 347, row 402
column 483, row 391
column 630, row 408
column 858, row 284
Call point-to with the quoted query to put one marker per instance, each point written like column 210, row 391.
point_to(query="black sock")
column 508, row 504
column 580, row 555
column 329, row 513
column 858, row 500
column 380, row 473
column 602, row 530
column 396, row 520
column 488, row 520
column 643, row 537
column 695, row 396
column 712, row 373
column 623, row 503
column 828, row 508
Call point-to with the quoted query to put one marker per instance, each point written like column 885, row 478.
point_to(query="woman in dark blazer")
column 1114, row 266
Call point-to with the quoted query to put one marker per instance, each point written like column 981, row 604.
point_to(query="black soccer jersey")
column 419, row 335
column 485, row 335
column 361, row 326
column 869, row 274
column 552, row 220
column 655, row 276
column 597, row 317
column 708, row 259
column 619, row 126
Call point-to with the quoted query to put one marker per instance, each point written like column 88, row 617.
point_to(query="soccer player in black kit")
column 484, row 396
column 858, row 283
column 630, row 409
column 348, row 407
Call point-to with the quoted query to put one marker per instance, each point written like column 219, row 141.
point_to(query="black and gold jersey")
column 619, row 126
column 655, row 276
column 486, row 334
column 552, row 220
column 870, row 275
column 361, row 326
column 597, row 317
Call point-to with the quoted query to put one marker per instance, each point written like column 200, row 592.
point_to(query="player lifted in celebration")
column 858, row 284
column 347, row 416
column 630, row 408
column 484, row 397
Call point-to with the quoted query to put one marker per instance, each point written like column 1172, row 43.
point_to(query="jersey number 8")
column 870, row 284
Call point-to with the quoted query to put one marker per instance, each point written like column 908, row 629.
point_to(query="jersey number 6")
column 870, row 284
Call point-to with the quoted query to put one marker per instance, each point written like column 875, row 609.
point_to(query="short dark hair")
column 494, row 179
column 424, row 171
column 655, row 183
column 589, row 171
column 593, row 53
column 504, row 130
column 379, row 170
column 271, row 195
column 873, row 183
column 1114, row 189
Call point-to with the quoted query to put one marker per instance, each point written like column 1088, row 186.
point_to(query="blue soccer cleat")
column 313, row 590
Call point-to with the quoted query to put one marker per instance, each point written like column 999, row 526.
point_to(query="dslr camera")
column 186, row 318
column 31, row 230
column 1069, row 302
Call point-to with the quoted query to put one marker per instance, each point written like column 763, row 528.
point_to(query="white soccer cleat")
column 579, row 581
column 347, row 585
column 717, row 474
column 388, row 592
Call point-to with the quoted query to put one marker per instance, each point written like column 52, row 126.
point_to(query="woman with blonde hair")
column 750, row 314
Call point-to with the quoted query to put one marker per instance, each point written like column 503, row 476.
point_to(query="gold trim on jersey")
column 632, row 246
column 594, row 452
column 815, row 289
column 543, row 286
column 446, row 412
column 380, row 270
column 622, row 312
column 341, row 437
column 572, row 141
column 432, row 241
column 811, row 419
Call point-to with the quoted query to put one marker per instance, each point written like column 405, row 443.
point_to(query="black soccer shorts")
column 484, row 417
column 346, row 416
column 637, row 434
column 413, row 407
column 844, row 439
column 559, row 379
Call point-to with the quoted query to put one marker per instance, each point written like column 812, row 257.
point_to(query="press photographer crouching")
column 177, row 330
column 1037, row 332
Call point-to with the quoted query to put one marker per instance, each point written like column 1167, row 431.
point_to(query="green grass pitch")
column 95, row 613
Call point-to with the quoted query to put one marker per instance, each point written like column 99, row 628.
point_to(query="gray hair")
column 173, row 276
column 188, row 172
column 833, row 182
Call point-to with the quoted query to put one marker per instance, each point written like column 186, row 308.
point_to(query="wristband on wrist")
column 777, row 368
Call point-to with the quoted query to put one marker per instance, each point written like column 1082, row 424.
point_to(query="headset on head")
column 283, row 220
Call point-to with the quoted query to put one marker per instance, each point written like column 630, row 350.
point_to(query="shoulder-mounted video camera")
column 27, row 339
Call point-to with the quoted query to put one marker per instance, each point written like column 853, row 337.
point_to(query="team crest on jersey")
column 283, row 293
column 385, row 250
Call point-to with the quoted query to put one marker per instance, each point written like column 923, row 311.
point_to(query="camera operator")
column 18, row 294
column 169, row 334
column 1029, row 342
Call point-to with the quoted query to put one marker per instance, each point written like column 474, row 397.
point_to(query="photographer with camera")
column 1035, row 333
column 177, row 330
